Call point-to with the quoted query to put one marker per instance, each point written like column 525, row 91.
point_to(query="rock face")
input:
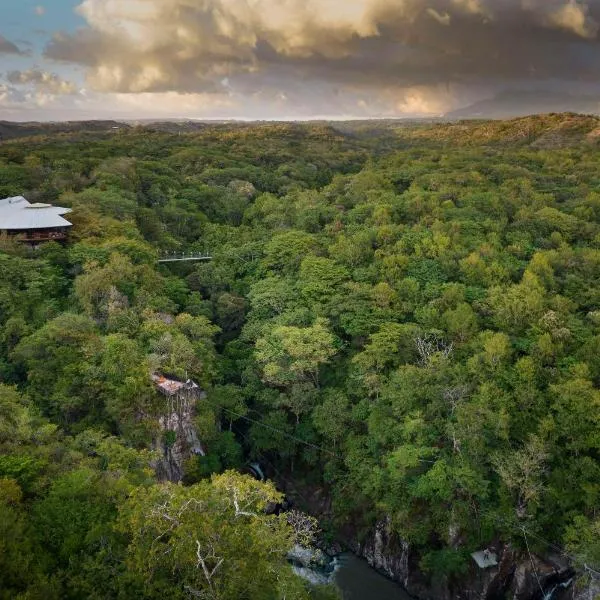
column 588, row 589
column 386, row 553
column 516, row 577
column 179, row 439
column 180, row 447
column 533, row 576
column 393, row 557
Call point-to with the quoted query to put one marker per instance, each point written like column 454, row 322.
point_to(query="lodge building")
column 33, row 223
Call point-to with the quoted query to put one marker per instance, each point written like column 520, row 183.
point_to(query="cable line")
column 281, row 432
column 532, row 563
column 288, row 435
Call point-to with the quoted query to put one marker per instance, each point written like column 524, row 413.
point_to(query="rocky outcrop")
column 515, row 577
column 585, row 589
column 178, row 438
column 386, row 553
column 394, row 558
column 178, row 447
column 536, row 577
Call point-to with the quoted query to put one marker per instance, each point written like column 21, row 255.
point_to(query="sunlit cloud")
column 326, row 57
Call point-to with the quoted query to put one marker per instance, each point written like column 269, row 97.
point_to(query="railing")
column 41, row 236
column 183, row 257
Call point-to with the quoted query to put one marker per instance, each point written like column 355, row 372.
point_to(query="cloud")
column 575, row 17
column 442, row 19
column 7, row 47
column 10, row 96
column 17, row 103
column 42, row 81
column 396, row 55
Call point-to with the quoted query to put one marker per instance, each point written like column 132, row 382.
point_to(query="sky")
column 288, row 59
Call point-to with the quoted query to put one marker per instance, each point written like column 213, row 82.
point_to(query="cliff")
column 516, row 576
column 178, row 439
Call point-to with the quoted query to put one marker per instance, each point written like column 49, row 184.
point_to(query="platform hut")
column 180, row 395
column 33, row 223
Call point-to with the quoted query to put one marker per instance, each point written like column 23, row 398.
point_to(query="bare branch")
column 429, row 345
column 202, row 563
column 306, row 528
column 239, row 512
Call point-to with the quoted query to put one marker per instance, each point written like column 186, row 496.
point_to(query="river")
column 358, row 581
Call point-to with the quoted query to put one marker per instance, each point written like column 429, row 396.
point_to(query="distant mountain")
column 480, row 124
column 511, row 104
column 170, row 125
column 10, row 130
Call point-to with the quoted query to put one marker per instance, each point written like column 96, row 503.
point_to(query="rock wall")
column 516, row 577
column 184, row 441
column 588, row 589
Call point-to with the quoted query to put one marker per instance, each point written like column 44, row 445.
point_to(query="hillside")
column 551, row 130
column 10, row 130
column 554, row 129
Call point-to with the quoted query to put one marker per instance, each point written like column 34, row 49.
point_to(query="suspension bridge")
column 184, row 257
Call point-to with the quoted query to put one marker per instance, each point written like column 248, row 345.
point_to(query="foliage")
column 406, row 316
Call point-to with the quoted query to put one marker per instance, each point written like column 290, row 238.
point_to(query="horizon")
column 241, row 120
column 316, row 119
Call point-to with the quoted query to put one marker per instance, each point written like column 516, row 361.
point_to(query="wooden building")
column 33, row 223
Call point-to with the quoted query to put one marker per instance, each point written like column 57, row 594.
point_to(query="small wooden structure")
column 174, row 387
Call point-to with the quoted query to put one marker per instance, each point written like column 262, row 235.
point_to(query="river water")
column 358, row 581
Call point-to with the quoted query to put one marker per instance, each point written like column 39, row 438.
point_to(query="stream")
column 352, row 575
column 358, row 581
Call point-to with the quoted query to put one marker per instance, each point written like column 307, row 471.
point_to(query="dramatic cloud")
column 7, row 47
column 333, row 56
column 42, row 81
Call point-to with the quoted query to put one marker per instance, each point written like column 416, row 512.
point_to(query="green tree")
column 289, row 355
column 199, row 540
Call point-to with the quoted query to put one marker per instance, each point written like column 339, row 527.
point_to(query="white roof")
column 485, row 559
column 18, row 213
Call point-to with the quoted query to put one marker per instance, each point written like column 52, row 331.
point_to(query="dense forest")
column 404, row 318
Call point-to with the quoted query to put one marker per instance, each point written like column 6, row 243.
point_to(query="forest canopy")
column 406, row 317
